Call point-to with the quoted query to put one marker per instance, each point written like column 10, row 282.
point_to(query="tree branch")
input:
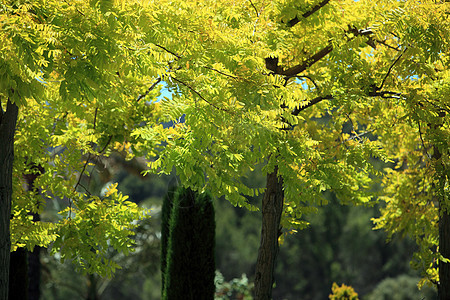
column 308, row 13
column 390, row 69
column 316, row 100
column 198, row 94
column 167, row 50
column 291, row 72
column 387, row 45
column 220, row 72
column 149, row 89
column 272, row 62
column 254, row 7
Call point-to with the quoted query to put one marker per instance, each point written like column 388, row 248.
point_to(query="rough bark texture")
column 272, row 208
column 8, row 121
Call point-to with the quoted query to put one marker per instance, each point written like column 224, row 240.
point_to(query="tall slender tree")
column 189, row 260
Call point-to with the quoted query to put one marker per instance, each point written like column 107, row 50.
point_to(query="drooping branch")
column 308, row 13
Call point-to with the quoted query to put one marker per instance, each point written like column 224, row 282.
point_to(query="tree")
column 189, row 264
column 255, row 82
column 275, row 83
column 166, row 212
column 68, row 71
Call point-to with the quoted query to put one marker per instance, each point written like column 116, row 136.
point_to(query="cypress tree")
column 166, row 211
column 190, row 263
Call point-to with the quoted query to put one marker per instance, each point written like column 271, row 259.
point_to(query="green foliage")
column 342, row 292
column 402, row 287
column 190, row 262
column 379, row 68
column 237, row 288
column 75, row 69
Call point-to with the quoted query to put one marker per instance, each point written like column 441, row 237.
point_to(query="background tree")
column 166, row 212
column 189, row 261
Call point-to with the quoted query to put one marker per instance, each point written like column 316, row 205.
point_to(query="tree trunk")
column 34, row 274
column 8, row 121
column 272, row 207
column 34, row 257
column 444, row 249
column 444, row 229
column 18, row 277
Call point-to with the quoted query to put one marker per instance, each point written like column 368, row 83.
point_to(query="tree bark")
column 272, row 208
column 8, row 120
column 444, row 249
column 444, row 230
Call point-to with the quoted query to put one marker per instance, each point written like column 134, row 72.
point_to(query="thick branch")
column 272, row 62
column 308, row 13
column 306, row 64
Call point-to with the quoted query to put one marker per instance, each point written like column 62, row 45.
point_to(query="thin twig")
column 358, row 136
column 95, row 117
column 75, row 8
column 254, row 7
column 106, row 145
column 423, row 143
column 82, row 171
column 390, row 68
column 84, row 188
column 220, row 72
column 167, row 50
column 198, row 94
column 387, row 45
column 305, row 76
column 149, row 89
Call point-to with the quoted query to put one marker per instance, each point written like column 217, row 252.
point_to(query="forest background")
column 340, row 246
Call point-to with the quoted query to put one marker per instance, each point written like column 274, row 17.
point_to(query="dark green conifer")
column 190, row 263
column 166, row 211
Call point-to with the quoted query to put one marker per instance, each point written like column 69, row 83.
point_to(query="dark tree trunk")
column 92, row 283
column 34, row 259
column 34, row 273
column 8, row 121
column 444, row 229
column 272, row 207
column 444, row 220
column 25, row 266
column 18, row 277
column 444, row 249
